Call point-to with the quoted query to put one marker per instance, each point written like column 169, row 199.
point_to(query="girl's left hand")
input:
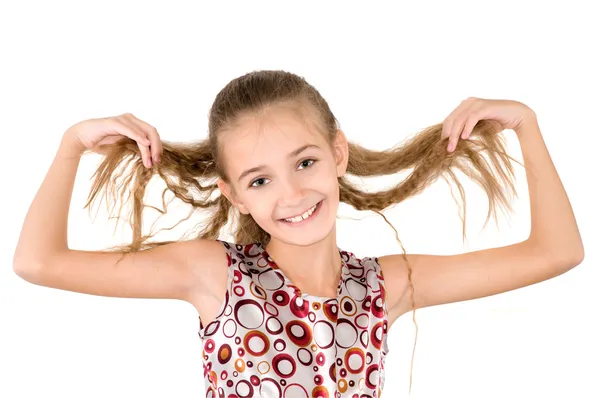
column 461, row 121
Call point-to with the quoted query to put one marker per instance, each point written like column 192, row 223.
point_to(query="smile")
column 308, row 214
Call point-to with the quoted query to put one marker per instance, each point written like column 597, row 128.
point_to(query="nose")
column 292, row 195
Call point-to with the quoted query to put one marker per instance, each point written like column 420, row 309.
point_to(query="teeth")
column 303, row 216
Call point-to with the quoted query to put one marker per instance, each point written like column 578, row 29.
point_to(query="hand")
column 98, row 134
column 461, row 121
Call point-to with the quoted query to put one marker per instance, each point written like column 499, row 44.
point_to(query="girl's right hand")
column 98, row 134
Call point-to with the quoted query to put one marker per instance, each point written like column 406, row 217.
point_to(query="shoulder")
column 366, row 266
column 207, row 252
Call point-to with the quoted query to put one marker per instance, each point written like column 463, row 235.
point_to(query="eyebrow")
column 295, row 152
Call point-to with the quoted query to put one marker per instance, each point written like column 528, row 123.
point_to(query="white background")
column 388, row 71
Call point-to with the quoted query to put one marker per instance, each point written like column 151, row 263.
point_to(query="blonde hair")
column 190, row 170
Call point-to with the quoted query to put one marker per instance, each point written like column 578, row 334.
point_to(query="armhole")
column 386, row 348
column 380, row 272
column 226, row 295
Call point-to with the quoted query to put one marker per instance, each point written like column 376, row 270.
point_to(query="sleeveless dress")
column 272, row 340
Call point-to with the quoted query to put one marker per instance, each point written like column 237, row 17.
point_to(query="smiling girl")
column 283, row 310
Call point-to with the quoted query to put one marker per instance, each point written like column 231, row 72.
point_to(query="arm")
column 554, row 246
column 42, row 255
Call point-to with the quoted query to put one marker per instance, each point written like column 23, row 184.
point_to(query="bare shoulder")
column 207, row 261
column 395, row 276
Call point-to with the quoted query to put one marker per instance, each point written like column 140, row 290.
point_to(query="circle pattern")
column 271, row 339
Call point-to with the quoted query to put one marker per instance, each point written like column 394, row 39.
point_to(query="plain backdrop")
column 388, row 70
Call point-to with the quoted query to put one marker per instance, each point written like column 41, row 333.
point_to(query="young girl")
column 283, row 310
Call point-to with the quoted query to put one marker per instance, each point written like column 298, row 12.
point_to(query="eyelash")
column 303, row 161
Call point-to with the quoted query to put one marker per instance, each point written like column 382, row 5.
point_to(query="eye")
column 254, row 184
column 309, row 161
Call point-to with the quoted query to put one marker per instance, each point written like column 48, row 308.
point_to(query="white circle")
column 285, row 366
column 356, row 290
column 263, row 367
column 229, row 328
column 362, row 320
column 269, row 280
column 242, row 389
column 323, row 334
column 269, row 388
column 304, row 355
column 273, row 324
column 345, row 335
column 256, row 344
column 250, row 316
column 355, row 361
column 374, row 377
column 297, row 331
column 295, row 391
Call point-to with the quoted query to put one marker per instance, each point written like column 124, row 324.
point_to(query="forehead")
column 267, row 138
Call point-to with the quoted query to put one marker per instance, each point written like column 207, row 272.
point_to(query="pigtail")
column 189, row 172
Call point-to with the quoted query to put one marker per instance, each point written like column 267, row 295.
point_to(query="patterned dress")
column 272, row 340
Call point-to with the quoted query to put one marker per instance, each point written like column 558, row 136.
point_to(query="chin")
column 303, row 241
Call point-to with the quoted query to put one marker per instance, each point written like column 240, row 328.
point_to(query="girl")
column 283, row 310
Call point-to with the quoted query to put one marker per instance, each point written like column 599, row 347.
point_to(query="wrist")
column 528, row 124
column 70, row 147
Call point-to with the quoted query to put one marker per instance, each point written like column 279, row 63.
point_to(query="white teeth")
column 303, row 216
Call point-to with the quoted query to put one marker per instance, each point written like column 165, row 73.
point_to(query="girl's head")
column 279, row 153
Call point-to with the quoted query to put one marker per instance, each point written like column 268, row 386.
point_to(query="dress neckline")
column 299, row 293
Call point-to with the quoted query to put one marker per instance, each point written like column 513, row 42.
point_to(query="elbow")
column 574, row 253
column 563, row 257
column 570, row 258
column 28, row 271
column 578, row 255
column 24, row 265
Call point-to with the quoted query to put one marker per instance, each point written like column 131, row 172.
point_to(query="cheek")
column 261, row 206
column 328, row 180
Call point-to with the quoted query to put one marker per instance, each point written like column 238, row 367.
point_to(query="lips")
column 312, row 209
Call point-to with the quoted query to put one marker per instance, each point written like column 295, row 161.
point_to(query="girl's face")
column 284, row 175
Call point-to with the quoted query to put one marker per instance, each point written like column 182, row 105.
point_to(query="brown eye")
column 254, row 183
column 309, row 161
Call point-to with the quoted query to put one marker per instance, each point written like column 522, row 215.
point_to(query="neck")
column 314, row 269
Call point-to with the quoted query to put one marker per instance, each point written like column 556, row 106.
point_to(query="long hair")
column 191, row 170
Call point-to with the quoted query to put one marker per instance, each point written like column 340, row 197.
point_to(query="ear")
column 230, row 194
column 340, row 151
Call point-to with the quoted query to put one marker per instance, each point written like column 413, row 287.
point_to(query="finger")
column 477, row 113
column 145, row 145
column 449, row 121
column 127, row 128
column 122, row 126
column 470, row 125
column 156, row 147
column 448, row 124
column 469, row 111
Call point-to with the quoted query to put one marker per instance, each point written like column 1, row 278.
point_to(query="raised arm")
column 553, row 247
column 43, row 257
